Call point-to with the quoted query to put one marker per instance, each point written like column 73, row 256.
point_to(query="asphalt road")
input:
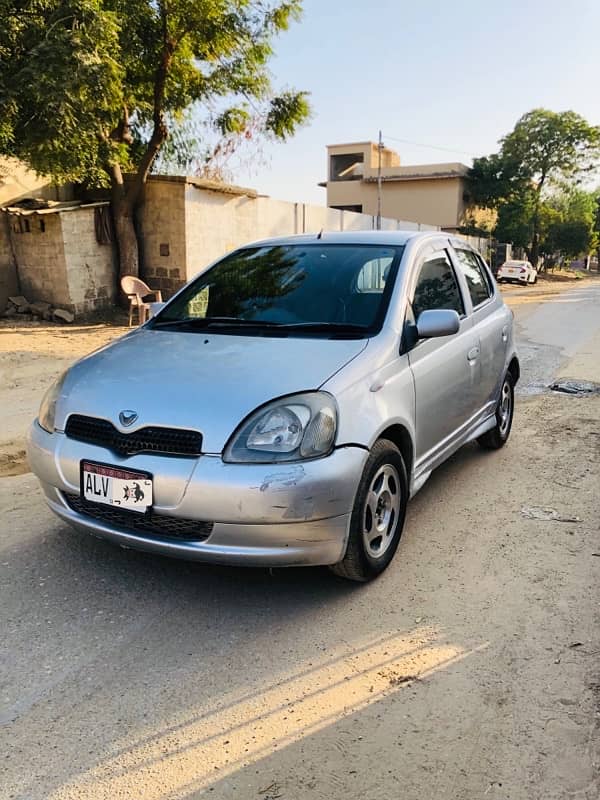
column 468, row 670
column 551, row 332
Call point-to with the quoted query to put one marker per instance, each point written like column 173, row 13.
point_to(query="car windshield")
column 328, row 290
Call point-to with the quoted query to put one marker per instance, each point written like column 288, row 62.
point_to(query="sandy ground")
column 32, row 355
column 468, row 670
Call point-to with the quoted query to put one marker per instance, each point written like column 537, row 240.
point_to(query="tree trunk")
column 123, row 208
column 126, row 196
column 127, row 243
column 535, row 250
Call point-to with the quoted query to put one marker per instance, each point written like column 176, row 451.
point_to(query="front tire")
column 498, row 436
column 378, row 515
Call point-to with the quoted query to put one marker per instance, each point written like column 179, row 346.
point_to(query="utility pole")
column 379, row 149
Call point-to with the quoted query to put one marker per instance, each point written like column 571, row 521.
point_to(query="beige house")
column 18, row 182
column 431, row 193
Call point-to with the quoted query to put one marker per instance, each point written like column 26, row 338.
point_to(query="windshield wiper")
column 208, row 322
column 318, row 327
column 204, row 323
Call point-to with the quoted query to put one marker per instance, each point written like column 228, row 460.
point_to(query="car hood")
column 202, row 381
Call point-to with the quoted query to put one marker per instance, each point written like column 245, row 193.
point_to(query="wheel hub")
column 381, row 510
column 504, row 409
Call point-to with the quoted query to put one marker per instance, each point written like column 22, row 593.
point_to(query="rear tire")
column 378, row 515
column 498, row 436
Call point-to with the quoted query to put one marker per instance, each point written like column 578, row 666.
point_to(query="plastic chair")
column 137, row 292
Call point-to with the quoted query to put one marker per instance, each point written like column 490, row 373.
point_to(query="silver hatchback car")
column 283, row 407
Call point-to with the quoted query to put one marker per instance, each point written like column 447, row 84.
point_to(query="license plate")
column 113, row 486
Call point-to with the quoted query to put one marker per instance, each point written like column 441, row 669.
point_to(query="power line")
column 431, row 146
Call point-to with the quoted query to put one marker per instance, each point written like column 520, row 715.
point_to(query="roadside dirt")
column 32, row 355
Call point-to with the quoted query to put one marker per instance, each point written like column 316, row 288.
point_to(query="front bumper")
column 261, row 514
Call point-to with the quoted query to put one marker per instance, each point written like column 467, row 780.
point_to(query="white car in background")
column 520, row 271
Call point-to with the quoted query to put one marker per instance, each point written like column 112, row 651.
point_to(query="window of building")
column 475, row 275
column 340, row 167
column 437, row 287
column 356, row 209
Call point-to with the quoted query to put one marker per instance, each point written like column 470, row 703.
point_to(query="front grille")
column 167, row 441
column 190, row 530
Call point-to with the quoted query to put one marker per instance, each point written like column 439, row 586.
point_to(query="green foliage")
column 90, row 88
column 545, row 149
column 489, row 181
column 546, row 145
column 570, row 228
column 286, row 112
column 514, row 223
column 59, row 85
column 569, row 238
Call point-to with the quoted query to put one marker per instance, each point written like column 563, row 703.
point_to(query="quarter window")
column 479, row 287
column 436, row 286
column 373, row 275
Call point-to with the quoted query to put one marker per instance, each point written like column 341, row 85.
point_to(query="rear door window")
column 475, row 275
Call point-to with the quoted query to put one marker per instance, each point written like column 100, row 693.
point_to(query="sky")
column 453, row 75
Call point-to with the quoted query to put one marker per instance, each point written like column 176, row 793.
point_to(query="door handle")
column 473, row 355
column 505, row 333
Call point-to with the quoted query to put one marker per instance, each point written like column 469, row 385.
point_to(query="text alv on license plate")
column 112, row 486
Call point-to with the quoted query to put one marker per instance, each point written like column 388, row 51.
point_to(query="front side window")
column 290, row 288
column 479, row 287
column 436, row 286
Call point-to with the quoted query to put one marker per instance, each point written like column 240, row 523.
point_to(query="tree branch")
column 160, row 131
column 122, row 133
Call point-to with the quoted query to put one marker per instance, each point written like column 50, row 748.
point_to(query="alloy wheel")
column 504, row 408
column 381, row 510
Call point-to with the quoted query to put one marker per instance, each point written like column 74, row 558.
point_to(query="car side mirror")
column 154, row 309
column 437, row 322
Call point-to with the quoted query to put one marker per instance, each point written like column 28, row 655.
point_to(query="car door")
column 491, row 320
column 445, row 369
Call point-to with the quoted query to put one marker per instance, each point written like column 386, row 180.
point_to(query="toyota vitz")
column 283, row 407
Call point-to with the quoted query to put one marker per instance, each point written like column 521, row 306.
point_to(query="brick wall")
column 60, row 261
column 161, row 220
column 39, row 251
column 90, row 267
column 8, row 274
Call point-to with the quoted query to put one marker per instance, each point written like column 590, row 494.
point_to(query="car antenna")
column 320, row 234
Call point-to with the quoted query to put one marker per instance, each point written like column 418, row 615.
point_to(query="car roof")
column 390, row 238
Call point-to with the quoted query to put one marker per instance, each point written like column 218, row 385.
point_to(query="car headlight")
column 293, row 428
column 47, row 410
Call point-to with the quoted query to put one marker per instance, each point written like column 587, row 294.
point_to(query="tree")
column 545, row 147
column 596, row 229
column 569, row 217
column 91, row 89
column 570, row 238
